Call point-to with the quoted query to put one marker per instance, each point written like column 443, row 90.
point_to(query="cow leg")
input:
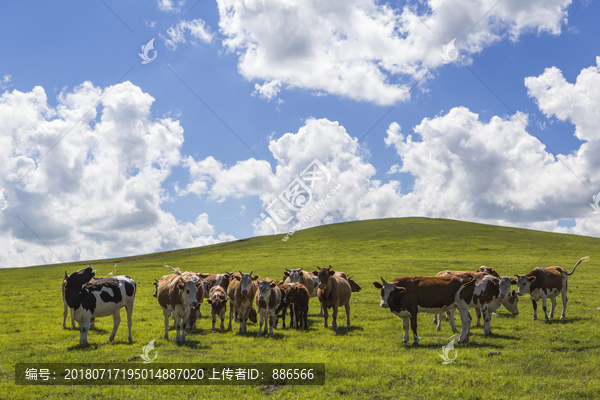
column 293, row 311
column 261, row 321
column 325, row 316
column 487, row 318
column 129, row 309
column 166, row 314
column 283, row 315
column 465, row 321
column 451, row 320
column 242, row 324
column 272, row 321
column 231, row 311
column 534, row 309
column 178, row 327
column 564, row 302
column 544, row 303
column 65, row 312
column 347, row 314
column 413, row 326
column 214, row 320
column 92, row 325
column 334, row 316
column 72, row 318
column 439, row 322
column 223, row 320
column 116, row 323
column 405, row 326
column 83, row 328
column 478, row 313
column 305, row 319
column 552, row 306
column 435, row 320
column 321, row 311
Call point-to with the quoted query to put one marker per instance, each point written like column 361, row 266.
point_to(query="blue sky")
column 337, row 69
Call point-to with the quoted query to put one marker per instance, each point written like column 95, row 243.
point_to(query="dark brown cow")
column 334, row 291
column 298, row 297
column 268, row 298
column 284, row 288
column 241, row 293
column 177, row 295
column 543, row 283
column 218, row 305
column 409, row 295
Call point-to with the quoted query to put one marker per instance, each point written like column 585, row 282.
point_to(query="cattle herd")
column 180, row 294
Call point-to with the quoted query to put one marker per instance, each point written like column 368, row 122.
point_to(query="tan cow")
column 178, row 296
column 268, row 298
column 241, row 293
column 218, row 305
column 544, row 283
column 334, row 291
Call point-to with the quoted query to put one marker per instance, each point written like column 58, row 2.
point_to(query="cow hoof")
column 438, row 328
column 415, row 343
column 454, row 331
column 562, row 317
column 534, row 319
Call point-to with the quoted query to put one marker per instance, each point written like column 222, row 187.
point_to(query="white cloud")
column 5, row 82
column 367, row 50
column 170, row 5
column 99, row 192
column 198, row 30
column 268, row 90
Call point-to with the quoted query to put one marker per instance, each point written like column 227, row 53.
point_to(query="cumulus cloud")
column 5, row 82
column 99, row 192
column 268, row 90
column 367, row 50
column 170, row 5
column 197, row 28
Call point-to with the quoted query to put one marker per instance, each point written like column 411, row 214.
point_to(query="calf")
column 178, row 296
column 222, row 280
column 409, row 295
column 284, row 288
column 298, row 297
column 299, row 276
column 268, row 298
column 334, row 291
column 543, row 283
column 241, row 293
column 201, row 286
column 99, row 298
column 218, row 305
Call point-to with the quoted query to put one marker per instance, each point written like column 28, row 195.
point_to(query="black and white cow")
column 99, row 298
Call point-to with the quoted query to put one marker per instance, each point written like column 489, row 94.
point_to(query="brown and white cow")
column 201, row 286
column 489, row 293
column 218, row 305
column 268, row 299
column 222, row 280
column 297, row 297
column 299, row 276
column 178, row 296
column 241, row 293
column 544, row 283
column 334, row 291
column 407, row 296
column 488, row 270
column 92, row 298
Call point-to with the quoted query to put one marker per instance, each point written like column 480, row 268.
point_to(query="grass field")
column 537, row 360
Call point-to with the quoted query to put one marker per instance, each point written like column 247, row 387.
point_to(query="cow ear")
column 531, row 278
column 315, row 273
column 513, row 281
column 209, row 301
column 273, row 284
column 255, row 277
column 180, row 285
column 513, row 293
column 377, row 285
column 286, row 274
column 66, row 276
column 237, row 277
column 331, row 273
column 400, row 289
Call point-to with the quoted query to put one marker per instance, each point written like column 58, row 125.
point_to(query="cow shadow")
column 341, row 331
column 469, row 344
column 83, row 347
column 566, row 320
column 194, row 345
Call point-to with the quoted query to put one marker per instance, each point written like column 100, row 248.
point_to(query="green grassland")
column 534, row 359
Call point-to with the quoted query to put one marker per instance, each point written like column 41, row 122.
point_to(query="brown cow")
column 298, row 297
column 241, row 293
column 543, row 283
column 409, row 295
column 334, row 291
column 299, row 276
column 178, row 296
column 222, row 280
column 284, row 288
column 268, row 298
column 201, row 285
column 218, row 305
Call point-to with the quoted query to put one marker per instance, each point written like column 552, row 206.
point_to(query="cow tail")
column 176, row 271
column 584, row 259
column 465, row 292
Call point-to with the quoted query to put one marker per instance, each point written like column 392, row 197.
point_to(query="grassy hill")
column 367, row 360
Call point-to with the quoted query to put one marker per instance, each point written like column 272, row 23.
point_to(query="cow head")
column 511, row 302
column 488, row 270
column 217, row 296
column 79, row 278
column 264, row 289
column 505, row 288
column 188, row 292
column 291, row 295
column 354, row 287
column 387, row 288
column 324, row 274
column 293, row 274
column 523, row 283
column 246, row 281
